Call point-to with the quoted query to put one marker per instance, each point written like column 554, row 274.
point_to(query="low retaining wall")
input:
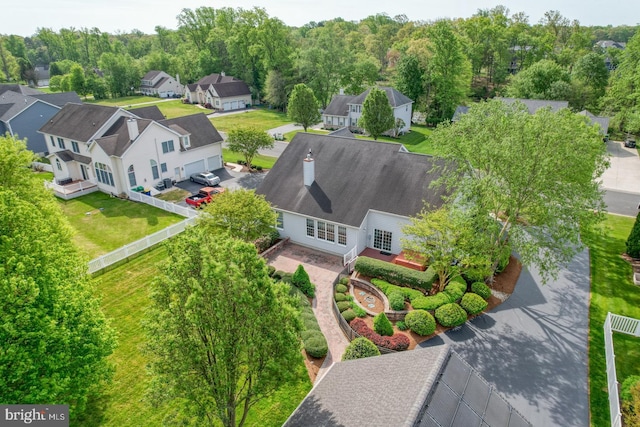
column 392, row 315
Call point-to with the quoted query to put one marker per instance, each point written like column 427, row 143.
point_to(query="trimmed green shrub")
column 431, row 302
column 340, row 297
column 633, row 241
column 397, row 342
column 344, row 281
column 456, row 289
column 360, row 348
column 401, row 325
column 421, row 322
column 316, row 345
column 310, row 324
column 286, row 278
column 349, row 315
column 344, row 305
column 481, row 289
column 450, row 315
column 382, row 325
column 305, row 335
column 473, row 303
column 300, row 280
column 387, row 288
column 341, row 288
column 396, row 300
column 359, row 311
column 395, row 274
column 271, row 269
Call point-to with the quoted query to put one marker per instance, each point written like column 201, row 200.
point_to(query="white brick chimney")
column 132, row 127
column 308, row 170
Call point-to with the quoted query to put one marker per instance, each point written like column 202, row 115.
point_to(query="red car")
column 206, row 195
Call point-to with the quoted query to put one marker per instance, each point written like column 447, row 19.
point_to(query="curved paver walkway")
column 533, row 347
column 322, row 270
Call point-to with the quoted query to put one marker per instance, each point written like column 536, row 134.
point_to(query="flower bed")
column 397, row 342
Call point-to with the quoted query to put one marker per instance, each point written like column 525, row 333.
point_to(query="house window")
column 279, row 220
column 132, row 176
column 322, row 232
column 342, row 235
column 61, row 143
column 154, row 169
column 311, row 230
column 163, row 167
column 382, row 240
column 326, row 231
column 186, row 143
column 103, row 172
column 58, row 165
column 53, row 143
column 167, row 146
column 331, row 233
column 74, row 147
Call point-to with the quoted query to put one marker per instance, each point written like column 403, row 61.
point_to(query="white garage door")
column 214, row 163
column 195, row 167
column 234, row 105
column 226, row 106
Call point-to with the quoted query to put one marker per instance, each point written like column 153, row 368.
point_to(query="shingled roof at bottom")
column 352, row 176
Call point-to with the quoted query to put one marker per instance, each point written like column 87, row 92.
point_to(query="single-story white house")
column 341, row 195
column 117, row 150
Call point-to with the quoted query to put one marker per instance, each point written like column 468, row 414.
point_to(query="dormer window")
column 186, row 143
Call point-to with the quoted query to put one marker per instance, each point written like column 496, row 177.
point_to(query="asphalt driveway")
column 533, row 347
column 624, row 172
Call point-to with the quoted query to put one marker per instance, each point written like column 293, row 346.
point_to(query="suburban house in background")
column 345, row 110
column 220, row 92
column 114, row 150
column 159, row 83
column 604, row 45
column 438, row 389
column 42, row 75
column 342, row 195
column 24, row 110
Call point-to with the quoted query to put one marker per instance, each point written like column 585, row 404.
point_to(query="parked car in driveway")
column 630, row 143
column 205, row 196
column 205, row 178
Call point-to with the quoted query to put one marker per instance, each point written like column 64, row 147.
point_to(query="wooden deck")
column 399, row 259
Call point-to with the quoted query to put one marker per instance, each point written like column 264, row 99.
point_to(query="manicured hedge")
column 300, row 280
column 431, row 302
column 401, row 325
column 316, row 345
column 341, row 288
column 455, row 289
column 359, row 311
column 396, row 300
column 360, row 348
column 344, row 281
column 481, row 289
column 382, row 325
column 397, row 342
column 421, row 322
column 451, row 315
column 349, row 315
column 344, row 305
column 396, row 274
column 473, row 303
column 387, row 288
column 340, row 297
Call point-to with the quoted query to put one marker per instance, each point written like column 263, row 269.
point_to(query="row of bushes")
column 395, row 274
column 348, row 308
column 397, row 342
column 244, row 163
column 313, row 340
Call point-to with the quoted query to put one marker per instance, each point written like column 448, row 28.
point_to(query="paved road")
column 622, row 202
column 533, row 347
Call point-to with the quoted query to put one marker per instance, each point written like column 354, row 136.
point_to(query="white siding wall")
column 404, row 112
column 295, row 228
column 386, row 222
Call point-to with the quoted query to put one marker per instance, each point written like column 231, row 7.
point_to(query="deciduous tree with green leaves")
column 55, row 338
column 377, row 114
column 303, row 106
column 538, row 174
column 247, row 141
column 242, row 214
column 221, row 334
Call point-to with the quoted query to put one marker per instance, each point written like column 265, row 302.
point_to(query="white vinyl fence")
column 42, row 166
column 161, row 204
column 626, row 325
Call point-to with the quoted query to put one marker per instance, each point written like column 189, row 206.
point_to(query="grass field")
column 261, row 119
column 125, row 297
column 175, row 108
column 266, row 162
column 105, row 223
column 612, row 290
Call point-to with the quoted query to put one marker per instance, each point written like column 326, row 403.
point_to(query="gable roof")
column 69, row 156
column 396, row 98
column 215, row 78
column 24, row 90
column 437, row 389
column 234, row 88
column 59, row 99
column 151, row 112
column 116, row 140
column 342, row 132
column 339, row 105
column 352, row 176
column 78, row 121
column 460, row 110
column 13, row 103
column 603, row 122
column 202, row 132
column 151, row 75
column 534, row 105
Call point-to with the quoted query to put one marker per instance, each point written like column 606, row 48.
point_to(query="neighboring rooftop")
column 201, row 131
column 601, row 121
column 534, row 105
column 610, row 43
column 339, row 105
column 151, row 112
column 78, row 121
column 396, row 98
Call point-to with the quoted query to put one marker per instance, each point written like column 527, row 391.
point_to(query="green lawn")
column 105, row 223
column 175, row 108
column 125, row 101
column 612, row 290
column 125, row 298
column 260, row 118
column 266, row 162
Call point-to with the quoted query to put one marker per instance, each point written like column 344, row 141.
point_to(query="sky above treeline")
column 25, row 17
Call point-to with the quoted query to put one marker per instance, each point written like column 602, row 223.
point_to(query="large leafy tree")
column 55, row 338
column 303, row 106
column 242, row 214
column 247, row 141
column 377, row 114
column 222, row 334
column 536, row 173
column 409, row 77
column 543, row 80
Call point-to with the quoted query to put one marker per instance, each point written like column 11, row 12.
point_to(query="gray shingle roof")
column 215, row 78
column 396, row 98
column 460, row 110
column 70, row 156
column 151, row 74
column 59, row 99
column 23, row 90
column 603, row 122
column 339, row 105
column 234, row 88
column 116, row 140
column 343, row 132
column 352, row 176
column 78, row 121
column 202, row 131
column 152, row 112
column 14, row 103
column 535, row 104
